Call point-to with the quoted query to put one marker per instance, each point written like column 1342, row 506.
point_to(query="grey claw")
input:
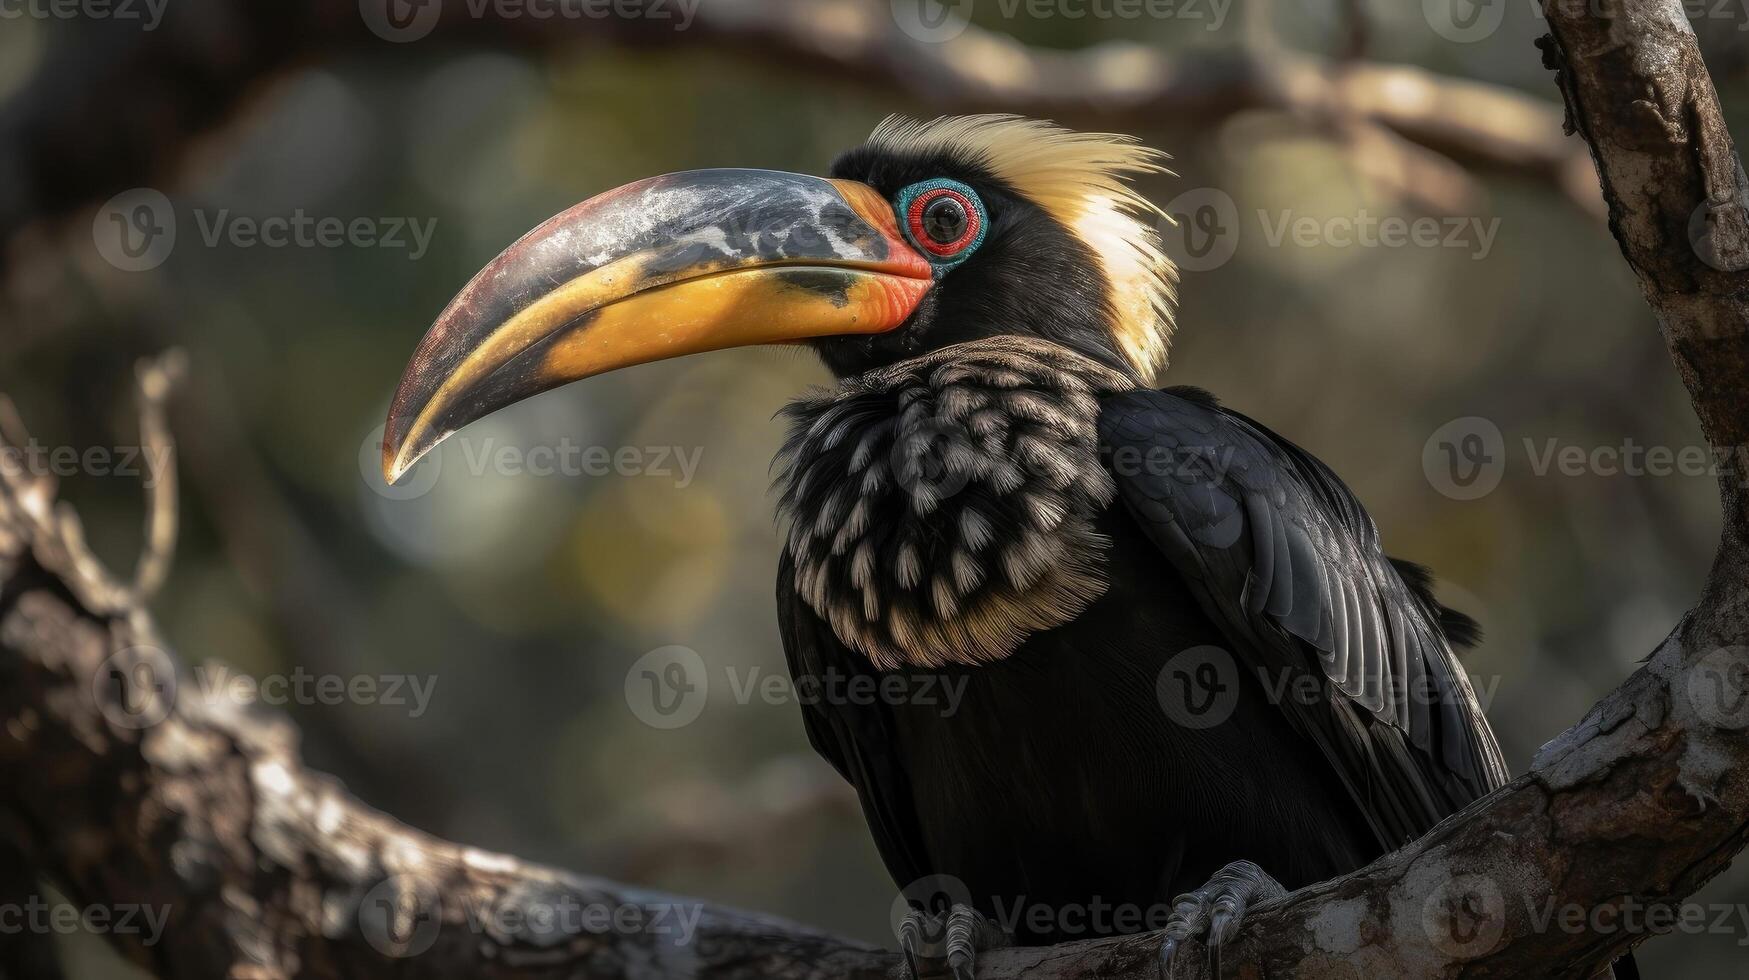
column 964, row 932
column 910, row 940
column 1213, row 912
column 1215, row 940
column 968, row 932
column 1167, row 950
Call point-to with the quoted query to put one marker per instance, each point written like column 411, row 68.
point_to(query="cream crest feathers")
column 1083, row 181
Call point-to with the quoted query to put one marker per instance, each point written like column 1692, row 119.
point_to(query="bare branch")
column 131, row 787
column 156, row 379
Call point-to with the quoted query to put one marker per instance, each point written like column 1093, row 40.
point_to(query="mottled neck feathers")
column 942, row 509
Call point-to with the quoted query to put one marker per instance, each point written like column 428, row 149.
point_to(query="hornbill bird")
column 1192, row 678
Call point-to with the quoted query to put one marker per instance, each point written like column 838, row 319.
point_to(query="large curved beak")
column 672, row 265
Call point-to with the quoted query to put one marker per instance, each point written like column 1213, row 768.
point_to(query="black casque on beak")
column 671, row 265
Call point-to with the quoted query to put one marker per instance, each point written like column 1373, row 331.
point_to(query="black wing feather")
column 1284, row 558
column 856, row 738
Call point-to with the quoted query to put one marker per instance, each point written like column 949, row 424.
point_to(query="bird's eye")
column 944, row 218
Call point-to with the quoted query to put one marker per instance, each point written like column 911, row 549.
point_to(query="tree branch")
column 133, row 787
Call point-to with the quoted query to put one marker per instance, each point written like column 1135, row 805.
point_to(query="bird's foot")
column 1212, row 913
column 957, row 936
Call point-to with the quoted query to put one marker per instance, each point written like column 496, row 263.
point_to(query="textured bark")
column 270, row 870
column 131, row 789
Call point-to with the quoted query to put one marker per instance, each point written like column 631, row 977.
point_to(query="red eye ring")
column 914, row 219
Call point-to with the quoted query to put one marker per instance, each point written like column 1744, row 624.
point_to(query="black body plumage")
column 1062, row 782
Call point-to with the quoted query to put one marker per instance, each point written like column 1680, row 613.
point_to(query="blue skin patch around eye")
column 942, row 263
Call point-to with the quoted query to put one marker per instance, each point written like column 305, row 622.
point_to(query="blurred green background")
column 526, row 598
